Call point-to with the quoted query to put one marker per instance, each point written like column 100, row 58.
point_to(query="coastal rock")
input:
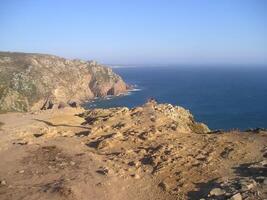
column 237, row 196
column 39, row 81
column 217, row 192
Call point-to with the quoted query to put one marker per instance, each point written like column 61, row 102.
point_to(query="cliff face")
column 38, row 81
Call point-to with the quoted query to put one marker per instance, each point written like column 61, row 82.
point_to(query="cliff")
column 39, row 81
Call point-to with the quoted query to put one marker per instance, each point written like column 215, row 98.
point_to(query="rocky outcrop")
column 38, row 81
column 159, row 117
column 154, row 149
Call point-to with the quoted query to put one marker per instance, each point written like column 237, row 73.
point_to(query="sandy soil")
column 125, row 154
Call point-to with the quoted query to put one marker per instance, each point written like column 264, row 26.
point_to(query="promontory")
column 40, row 81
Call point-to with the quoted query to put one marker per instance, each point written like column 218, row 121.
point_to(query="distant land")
column 40, row 81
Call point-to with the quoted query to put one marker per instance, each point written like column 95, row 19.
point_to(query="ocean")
column 221, row 97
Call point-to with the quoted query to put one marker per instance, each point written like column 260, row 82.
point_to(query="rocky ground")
column 156, row 151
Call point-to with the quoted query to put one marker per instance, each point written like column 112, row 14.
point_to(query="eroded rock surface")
column 155, row 151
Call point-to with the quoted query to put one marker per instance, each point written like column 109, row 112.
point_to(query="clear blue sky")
column 138, row 31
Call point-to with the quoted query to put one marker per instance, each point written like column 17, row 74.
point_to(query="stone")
column 103, row 171
column 3, row 182
column 248, row 185
column 72, row 163
column 61, row 105
column 237, row 196
column 164, row 186
column 217, row 192
column 136, row 176
column 38, row 135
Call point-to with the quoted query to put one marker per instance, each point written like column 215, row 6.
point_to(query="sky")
column 138, row 32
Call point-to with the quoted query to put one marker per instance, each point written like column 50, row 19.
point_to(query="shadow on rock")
column 56, row 125
column 203, row 189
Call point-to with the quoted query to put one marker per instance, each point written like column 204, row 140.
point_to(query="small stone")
column 3, row 182
column 22, row 142
column 134, row 163
column 136, row 176
column 260, row 179
column 21, row 171
column 164, row 186
column 153, row 118
column 103, row 171
column 173, row 127
column 249, row 185
column 264, row 163
column 201, row 157
column 38, row 135
column 217, row 192
column 72, row 163
column 236, row 197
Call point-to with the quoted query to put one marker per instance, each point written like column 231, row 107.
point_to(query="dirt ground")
column 126, row 154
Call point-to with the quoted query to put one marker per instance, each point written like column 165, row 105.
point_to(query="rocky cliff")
column 38, row 81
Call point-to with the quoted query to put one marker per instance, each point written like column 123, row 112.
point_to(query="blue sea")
column 222, row 97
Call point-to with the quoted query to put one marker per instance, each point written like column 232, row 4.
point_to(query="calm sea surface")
column 223, row 98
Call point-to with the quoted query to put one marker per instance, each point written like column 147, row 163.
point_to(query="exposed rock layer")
column 38, row 81
column 155, row 151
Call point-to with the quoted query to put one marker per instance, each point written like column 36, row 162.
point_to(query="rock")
column 72, row 163
column 163, row 185
column 38, row 135
column 248, row 185
column 264, row 163
column 237, row 196
column 103, row 170
column 61, row 105
column 32, row 82
column 136, row 176
column 3, row 182
column 73, row 104
column 173, row 127
column 48, row 104
column 260, row 179
column 134, row 163
column 21, row 171
column 153, row 118
column 22, row 142
column 217, row 192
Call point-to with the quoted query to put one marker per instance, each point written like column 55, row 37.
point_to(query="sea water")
column 222, row 97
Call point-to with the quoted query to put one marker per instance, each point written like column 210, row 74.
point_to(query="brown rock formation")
column 38, row 81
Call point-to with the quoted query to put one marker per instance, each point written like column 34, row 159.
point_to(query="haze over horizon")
column 139, row 32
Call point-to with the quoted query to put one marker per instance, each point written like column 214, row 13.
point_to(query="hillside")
column 154, row 151
column 39, row 81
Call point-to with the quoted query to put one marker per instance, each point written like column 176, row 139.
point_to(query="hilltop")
column 154, row 151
